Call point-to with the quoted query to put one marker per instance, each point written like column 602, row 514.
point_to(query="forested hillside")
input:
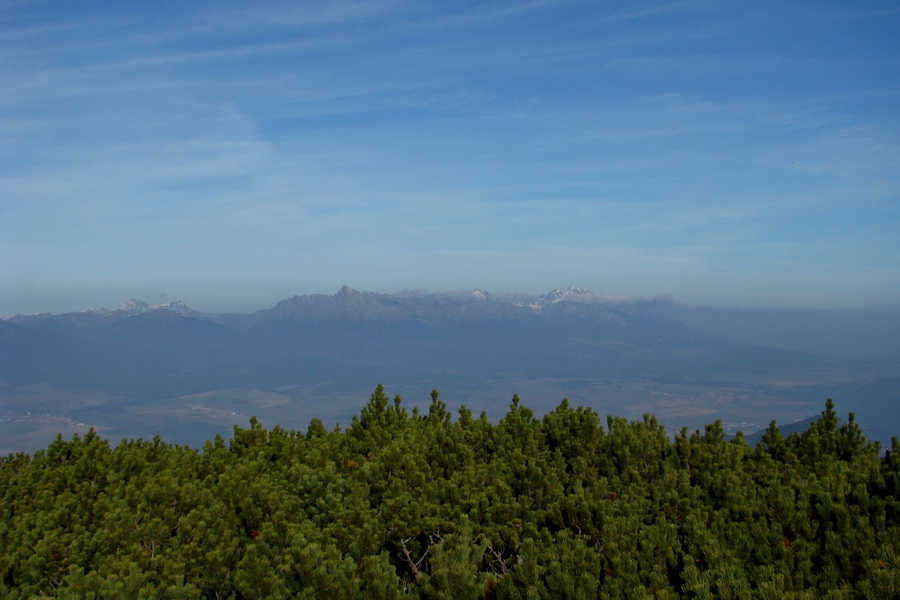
column 407, row 505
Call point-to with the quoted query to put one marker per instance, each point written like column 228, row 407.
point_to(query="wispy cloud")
column 666, row 8
column 661, row 147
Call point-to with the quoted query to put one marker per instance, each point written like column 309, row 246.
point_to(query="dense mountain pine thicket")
column 408, row 505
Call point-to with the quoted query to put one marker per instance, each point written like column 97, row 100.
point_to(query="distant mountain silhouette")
column 351, row 340
column 566, row 333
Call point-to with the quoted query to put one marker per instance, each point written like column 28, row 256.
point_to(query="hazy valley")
column 168, row 369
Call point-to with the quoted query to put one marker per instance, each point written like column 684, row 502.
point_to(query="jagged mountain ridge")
column 351, row 305
column 97, row 317
column 567, row 333
column 555, row 345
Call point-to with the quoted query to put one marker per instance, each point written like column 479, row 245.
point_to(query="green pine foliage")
column 403, row 505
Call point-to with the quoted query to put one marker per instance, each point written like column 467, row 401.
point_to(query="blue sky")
column 233, row 154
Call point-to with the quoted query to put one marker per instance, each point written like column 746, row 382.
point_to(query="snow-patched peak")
column 136, row 307
column 569, row 294
column 480, row 294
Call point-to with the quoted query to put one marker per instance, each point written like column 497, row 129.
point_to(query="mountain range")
column 190, row 374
